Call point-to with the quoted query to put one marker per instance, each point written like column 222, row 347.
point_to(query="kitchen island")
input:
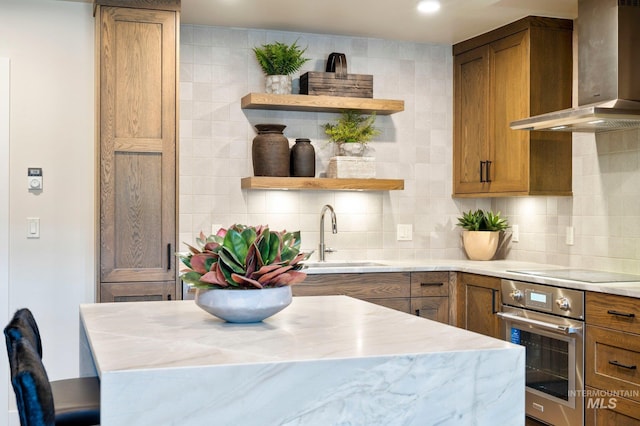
column 322, row 361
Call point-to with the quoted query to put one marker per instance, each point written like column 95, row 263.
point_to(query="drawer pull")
column 617, row 364
column 431, row 284
column 621, row 314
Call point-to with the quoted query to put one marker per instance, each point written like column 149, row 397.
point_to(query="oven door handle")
column 554, row 327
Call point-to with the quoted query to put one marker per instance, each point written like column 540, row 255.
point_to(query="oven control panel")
column 543, row 298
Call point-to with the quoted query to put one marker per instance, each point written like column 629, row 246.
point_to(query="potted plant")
column 481, row 233
column 351, row 134
column 244, row 266
column 278, row 61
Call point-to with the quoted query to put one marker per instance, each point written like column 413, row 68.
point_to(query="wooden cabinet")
column 136, row 52
column 612, row 360
column 478, row 300
column 421, row 293
column 430, row 295
column 390, row 289
column 516, row 71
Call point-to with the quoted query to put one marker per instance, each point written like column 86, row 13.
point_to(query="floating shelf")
column 326, row 184
column 314, row 103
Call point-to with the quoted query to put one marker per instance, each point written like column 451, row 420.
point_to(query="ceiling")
column 456, row 21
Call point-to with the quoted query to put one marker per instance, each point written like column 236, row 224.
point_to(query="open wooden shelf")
column 314, row 103
column 326, row 184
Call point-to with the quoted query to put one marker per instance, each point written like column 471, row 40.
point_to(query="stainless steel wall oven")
column 549, row 323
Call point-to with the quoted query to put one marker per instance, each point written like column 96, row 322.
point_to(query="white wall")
column 4, row 224
column 50, row 45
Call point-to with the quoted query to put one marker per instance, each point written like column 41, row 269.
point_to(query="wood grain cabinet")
column 612, row 361
column 421, row 293
column 136, row 48
column 430, row 295
column 478, row 300
column 519, row 70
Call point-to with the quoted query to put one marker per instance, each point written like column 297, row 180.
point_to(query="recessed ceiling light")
column 428, row 6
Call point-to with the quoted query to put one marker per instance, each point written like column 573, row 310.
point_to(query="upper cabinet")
column 519, row 70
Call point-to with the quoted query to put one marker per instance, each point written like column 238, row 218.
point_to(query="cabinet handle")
column 487, row 169
column 482, row 171
column 169, row 257
column 431, row 284
column 621, row 314
column 493, row 301
column 417, row 312
column 617, row 364
column 169, row 296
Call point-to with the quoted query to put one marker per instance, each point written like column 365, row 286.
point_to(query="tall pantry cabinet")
column 136, row 65
column 513, row 72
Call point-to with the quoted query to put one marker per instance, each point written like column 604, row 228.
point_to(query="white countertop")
column 322, row 360
column 496, row 268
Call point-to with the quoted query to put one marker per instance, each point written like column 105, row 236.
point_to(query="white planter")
column 352, row 167
column 278, row 84
column 480, row 245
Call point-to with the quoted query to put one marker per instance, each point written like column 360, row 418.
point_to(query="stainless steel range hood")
column 608, row 72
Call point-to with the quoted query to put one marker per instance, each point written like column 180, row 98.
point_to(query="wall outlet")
column 515, row 233
column 405, row 232
column 569, row 235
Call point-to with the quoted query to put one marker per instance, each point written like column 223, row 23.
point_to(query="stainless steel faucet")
column 334, row 227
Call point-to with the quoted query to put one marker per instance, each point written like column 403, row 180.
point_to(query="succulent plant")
column 481, row 220
column 245, row 257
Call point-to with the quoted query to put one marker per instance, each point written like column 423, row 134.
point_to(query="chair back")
column 23, row 325
column 31, row 385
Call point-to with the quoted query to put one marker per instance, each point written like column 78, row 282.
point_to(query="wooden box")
column 352, row 167
column 332, row 84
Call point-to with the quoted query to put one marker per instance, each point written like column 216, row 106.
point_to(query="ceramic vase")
column 270, row 151
column 244, row 306
column 480, row 245
column 278, row 84
column 303, row 159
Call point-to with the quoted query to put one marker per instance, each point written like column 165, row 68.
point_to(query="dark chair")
column 76, row 401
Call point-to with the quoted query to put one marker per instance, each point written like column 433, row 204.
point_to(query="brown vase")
column 303, row 159
column 270, row 151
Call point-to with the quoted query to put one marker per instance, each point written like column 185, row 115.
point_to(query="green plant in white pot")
column 278, row 61
column 352, row 132
column 481, row 233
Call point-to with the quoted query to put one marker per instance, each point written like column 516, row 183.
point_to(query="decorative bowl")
column 244, row 306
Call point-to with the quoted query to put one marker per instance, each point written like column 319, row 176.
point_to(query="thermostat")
column 34, row 178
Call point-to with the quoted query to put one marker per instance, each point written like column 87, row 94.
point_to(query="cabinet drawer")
column 608, row 310
column 605, row 410
column 424, row 284
column 433, row 308
column 361, row 286
column 613, row 361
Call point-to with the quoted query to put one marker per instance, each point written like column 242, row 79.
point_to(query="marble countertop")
column 328, row 360
column 496, row 268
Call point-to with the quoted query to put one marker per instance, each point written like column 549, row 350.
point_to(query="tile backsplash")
column 218, row 67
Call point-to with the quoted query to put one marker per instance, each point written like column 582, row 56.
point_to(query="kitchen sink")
column 342, row 264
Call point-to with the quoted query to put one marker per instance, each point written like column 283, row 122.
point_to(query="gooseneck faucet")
column 334, row 228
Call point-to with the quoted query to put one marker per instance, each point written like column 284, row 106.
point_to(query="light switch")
column 405, row 232
column 33, row 227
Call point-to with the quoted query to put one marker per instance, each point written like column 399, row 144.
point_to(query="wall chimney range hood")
column 608, row 72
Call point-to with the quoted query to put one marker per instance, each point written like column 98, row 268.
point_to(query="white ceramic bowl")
column 244, row 306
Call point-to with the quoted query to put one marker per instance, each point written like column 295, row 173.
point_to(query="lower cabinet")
column 424, row 293
column 612, row 360
column 137, row 291
column 430, row 295
column 478, row 301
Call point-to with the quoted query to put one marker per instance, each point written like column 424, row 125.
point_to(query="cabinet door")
column 471, row 118
column 433, row 308
column 604, row 409
column 137, row 133
column 478, row 303
column 509, row 94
